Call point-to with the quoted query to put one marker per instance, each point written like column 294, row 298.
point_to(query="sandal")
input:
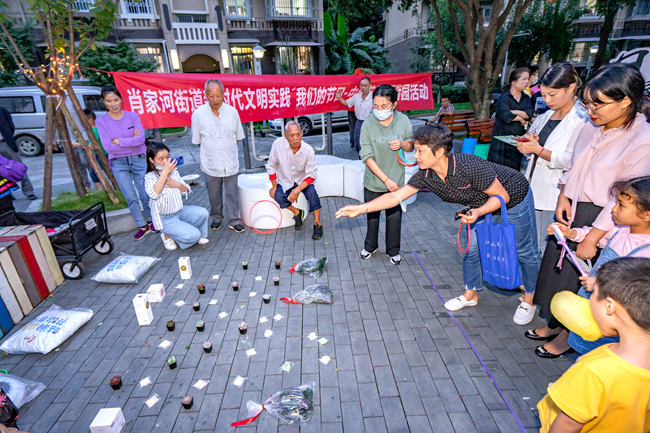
column 543, row 353
column 533, row 335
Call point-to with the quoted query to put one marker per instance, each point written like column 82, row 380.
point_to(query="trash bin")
column 468, row 145
column 481, row 150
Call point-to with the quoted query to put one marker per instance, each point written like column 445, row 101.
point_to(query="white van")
column 27, row 107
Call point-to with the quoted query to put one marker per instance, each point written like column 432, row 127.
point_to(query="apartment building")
column 216, row 36
column 631, row 30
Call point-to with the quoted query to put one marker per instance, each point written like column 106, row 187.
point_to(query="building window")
column 242, row 60
column 294, row 60
column 589, row 7
column 296, row 8
column 83, row 5
column 191, row 18
column 578, row 52
column 152, row 52
column 642, row 8
column 237, row 8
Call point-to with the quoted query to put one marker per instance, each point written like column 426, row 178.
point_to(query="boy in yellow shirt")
column 608, row 389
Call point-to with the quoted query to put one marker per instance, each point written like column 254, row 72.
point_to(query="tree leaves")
column 120, row 57
column 344, row 51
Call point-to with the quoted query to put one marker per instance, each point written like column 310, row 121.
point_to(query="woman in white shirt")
column 185, row 225
column 551, row 140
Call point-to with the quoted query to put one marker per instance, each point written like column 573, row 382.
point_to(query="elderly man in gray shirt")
column 216, row 128
column 292, row 169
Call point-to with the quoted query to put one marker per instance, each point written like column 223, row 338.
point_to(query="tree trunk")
column 69, row 154
column 91, row 157
column 49, row 145
column 91, row 135
column 605, row 32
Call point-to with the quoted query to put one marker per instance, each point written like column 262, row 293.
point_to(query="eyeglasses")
column 593, row 108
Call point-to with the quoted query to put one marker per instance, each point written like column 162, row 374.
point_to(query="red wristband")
column 540, row 152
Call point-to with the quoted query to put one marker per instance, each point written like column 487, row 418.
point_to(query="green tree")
column 67, row 38
column 551, row 31
column 344, row 51
column 121, row 57
column 23, row 38
column 607, row 9
column 427, row 55
column 368, row 13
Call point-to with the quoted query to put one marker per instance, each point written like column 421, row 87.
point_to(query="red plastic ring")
column 250, row 213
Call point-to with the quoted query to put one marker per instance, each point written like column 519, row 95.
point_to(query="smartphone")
column 179, row 160
column 464, row 211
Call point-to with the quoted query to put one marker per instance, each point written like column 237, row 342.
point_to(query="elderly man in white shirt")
column 362, row 104
column 216, row 128
column 292, row 169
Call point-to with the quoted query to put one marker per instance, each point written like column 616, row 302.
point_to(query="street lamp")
column 258, row 53
column 505, row 61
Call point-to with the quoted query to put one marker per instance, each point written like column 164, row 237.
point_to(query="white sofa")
column 336, row 177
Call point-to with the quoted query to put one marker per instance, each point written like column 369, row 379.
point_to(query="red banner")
column 168, row 100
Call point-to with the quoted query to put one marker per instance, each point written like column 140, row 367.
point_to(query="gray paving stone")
column 399, row 363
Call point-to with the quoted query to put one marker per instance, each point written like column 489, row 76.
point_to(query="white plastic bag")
column 20, row 391
column 47, row 331
column 125, row 269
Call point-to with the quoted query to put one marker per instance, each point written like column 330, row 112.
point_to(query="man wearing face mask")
column 383, row 134
column 362, row 104
column 292, row 170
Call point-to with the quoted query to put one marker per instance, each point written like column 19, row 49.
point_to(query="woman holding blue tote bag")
column 472, row 182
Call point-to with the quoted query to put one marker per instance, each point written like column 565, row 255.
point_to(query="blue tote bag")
column 497, row 246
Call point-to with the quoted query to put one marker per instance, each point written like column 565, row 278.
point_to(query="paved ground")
column 399, row 362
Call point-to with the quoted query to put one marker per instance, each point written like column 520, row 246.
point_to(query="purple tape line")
column 487, row 370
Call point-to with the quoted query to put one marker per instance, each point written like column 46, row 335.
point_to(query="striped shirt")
column 169, row 201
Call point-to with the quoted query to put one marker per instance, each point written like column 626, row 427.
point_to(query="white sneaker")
column 459, row 302
column 365, row 255
column 168, row 243
column 396, row 260
column 203, row 241
column 524, row 314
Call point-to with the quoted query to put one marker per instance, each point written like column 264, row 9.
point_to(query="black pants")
column 352, row 119
column 393, row 226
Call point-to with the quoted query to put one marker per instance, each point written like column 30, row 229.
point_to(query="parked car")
column 310, row 122
column 27, row 107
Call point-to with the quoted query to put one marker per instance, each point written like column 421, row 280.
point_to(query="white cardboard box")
column 185, row 268
column 156, row 293
column 108, row 420
column 143, row 309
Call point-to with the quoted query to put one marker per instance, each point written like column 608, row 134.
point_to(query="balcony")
column 137, row 9
column 290, row 10
column 83, row 5
column 196, row 33
column 636, row 28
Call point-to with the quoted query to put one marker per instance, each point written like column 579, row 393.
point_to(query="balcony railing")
column 83, row 5
column 137, row 9
column 196, row 33
column 290, row 9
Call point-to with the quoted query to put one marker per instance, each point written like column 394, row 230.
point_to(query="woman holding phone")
column 550, row 142
column 122, row 136
column 179, row 224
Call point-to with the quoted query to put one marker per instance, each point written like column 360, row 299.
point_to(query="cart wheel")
column 104, row 247
column 72, row 270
